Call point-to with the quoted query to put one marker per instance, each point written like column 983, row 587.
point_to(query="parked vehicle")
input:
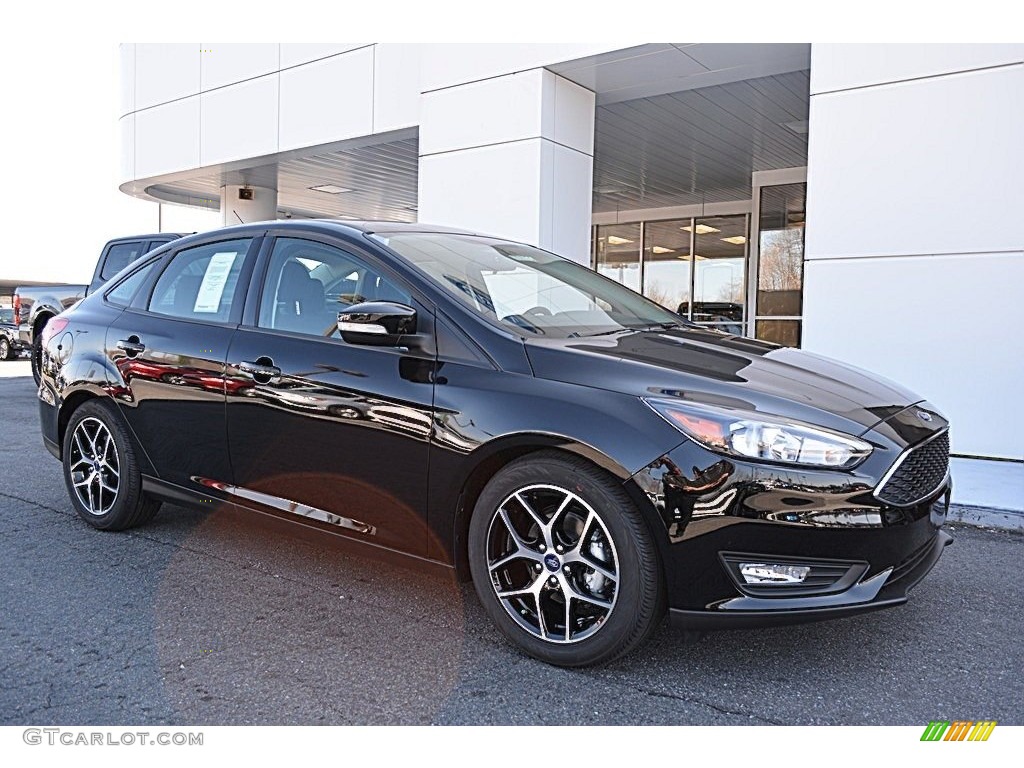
column 586, row 456
column 10, row 344
column 35, row 305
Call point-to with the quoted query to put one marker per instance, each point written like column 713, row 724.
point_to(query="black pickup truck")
column 35, row 305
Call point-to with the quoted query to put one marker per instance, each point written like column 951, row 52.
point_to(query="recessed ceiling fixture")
column 797, row 126
column 701, row 229
column 737, row 240
column 331, row 189
column 613, row 240
column 661, row 249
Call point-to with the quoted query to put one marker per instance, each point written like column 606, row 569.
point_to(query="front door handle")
column 131, row 346
column 262, row 371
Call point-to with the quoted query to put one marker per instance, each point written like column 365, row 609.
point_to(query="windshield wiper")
column 631, row 329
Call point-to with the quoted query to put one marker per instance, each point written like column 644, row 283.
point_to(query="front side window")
column 309, row 283
column 525, row 288
column 200, row 283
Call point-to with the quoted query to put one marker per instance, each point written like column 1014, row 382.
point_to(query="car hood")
column 705, row 366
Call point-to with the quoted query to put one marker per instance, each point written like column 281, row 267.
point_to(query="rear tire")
column 101, row 470
column 37, row 354
column 576, row 567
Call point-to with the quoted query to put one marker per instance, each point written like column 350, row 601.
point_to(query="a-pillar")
column 240, row 204
column 511, row 156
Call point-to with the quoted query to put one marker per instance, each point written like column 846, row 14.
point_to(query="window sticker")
column 214, row 280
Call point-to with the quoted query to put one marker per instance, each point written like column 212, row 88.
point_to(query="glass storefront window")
column 719, row 262
column 780, row 264
column 618, row 253
column 667, row 262
column 785, row 332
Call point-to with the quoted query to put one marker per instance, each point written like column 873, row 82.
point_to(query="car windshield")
column 525, row 288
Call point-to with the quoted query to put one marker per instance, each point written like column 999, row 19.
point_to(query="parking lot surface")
column 204, row 617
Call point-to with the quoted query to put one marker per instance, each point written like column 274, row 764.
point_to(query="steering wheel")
column 537, row 311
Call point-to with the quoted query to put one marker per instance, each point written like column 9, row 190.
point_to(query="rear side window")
column 122, row 293
column 200, row 283
column 118, row 257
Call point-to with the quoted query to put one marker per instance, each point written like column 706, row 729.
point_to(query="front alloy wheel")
column 5, row 349
column 563, row 562
column 552, row 563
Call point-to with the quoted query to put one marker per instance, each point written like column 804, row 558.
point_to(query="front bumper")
column 719, row 516
column 883, row 590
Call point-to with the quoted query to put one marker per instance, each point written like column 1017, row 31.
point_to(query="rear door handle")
column 263, row 370
column 131, row 346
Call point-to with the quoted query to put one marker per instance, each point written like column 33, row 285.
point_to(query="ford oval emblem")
column 924, row 416
column 552, row 562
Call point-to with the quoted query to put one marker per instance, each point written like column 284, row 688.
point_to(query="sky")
column 60, row 196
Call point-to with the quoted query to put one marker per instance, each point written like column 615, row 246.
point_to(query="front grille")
column 917, row 474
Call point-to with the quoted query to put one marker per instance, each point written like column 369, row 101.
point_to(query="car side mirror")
column 378, row 323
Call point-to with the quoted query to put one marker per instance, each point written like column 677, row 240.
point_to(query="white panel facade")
column 239, row 121
column 167, row 138
column 937, row 324
column 447, row 64
column 841, row 67
column 490, row 159
column 396, row 86
column 460, row 189
column 226, row 63
column 327, row 100
column 164, row 72
column 127, row 167
column 927, row 166
column 293, row 54
column 915, row 242
column 508, row 108
column 127, row 78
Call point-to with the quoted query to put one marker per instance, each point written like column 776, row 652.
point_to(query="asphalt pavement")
column 203, row 617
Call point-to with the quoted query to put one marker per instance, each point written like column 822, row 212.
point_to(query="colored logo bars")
column 961, row 730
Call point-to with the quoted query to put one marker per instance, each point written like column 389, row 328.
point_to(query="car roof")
column 346, row 226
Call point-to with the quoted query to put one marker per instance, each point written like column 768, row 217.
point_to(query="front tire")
column 5, row 349
column 101, row 470
column 37, row 354
column 563, row 562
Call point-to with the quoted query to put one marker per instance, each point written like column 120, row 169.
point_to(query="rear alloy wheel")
column 5, row 349
column 562, row 561
column 101, row 471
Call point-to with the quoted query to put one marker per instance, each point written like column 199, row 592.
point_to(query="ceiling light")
column 797, row 126
column 331, row 189
column 613, row 240
column 660, row 249
column 738, row 240
column 701, row 229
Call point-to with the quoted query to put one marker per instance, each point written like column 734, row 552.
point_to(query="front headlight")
column 759, row 436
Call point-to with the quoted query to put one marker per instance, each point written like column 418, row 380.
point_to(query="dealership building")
column 863, row 202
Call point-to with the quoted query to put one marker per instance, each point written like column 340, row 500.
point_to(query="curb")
column 986, row 517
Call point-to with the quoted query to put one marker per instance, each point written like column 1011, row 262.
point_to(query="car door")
column 334, row 434
column 168, row 350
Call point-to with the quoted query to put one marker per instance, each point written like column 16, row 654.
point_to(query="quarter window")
column 309, row 283
column 122, row 293
column 200, row 283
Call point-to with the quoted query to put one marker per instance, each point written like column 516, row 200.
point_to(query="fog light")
column 773, row 573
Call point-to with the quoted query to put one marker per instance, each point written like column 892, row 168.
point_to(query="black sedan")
column 588, row 458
